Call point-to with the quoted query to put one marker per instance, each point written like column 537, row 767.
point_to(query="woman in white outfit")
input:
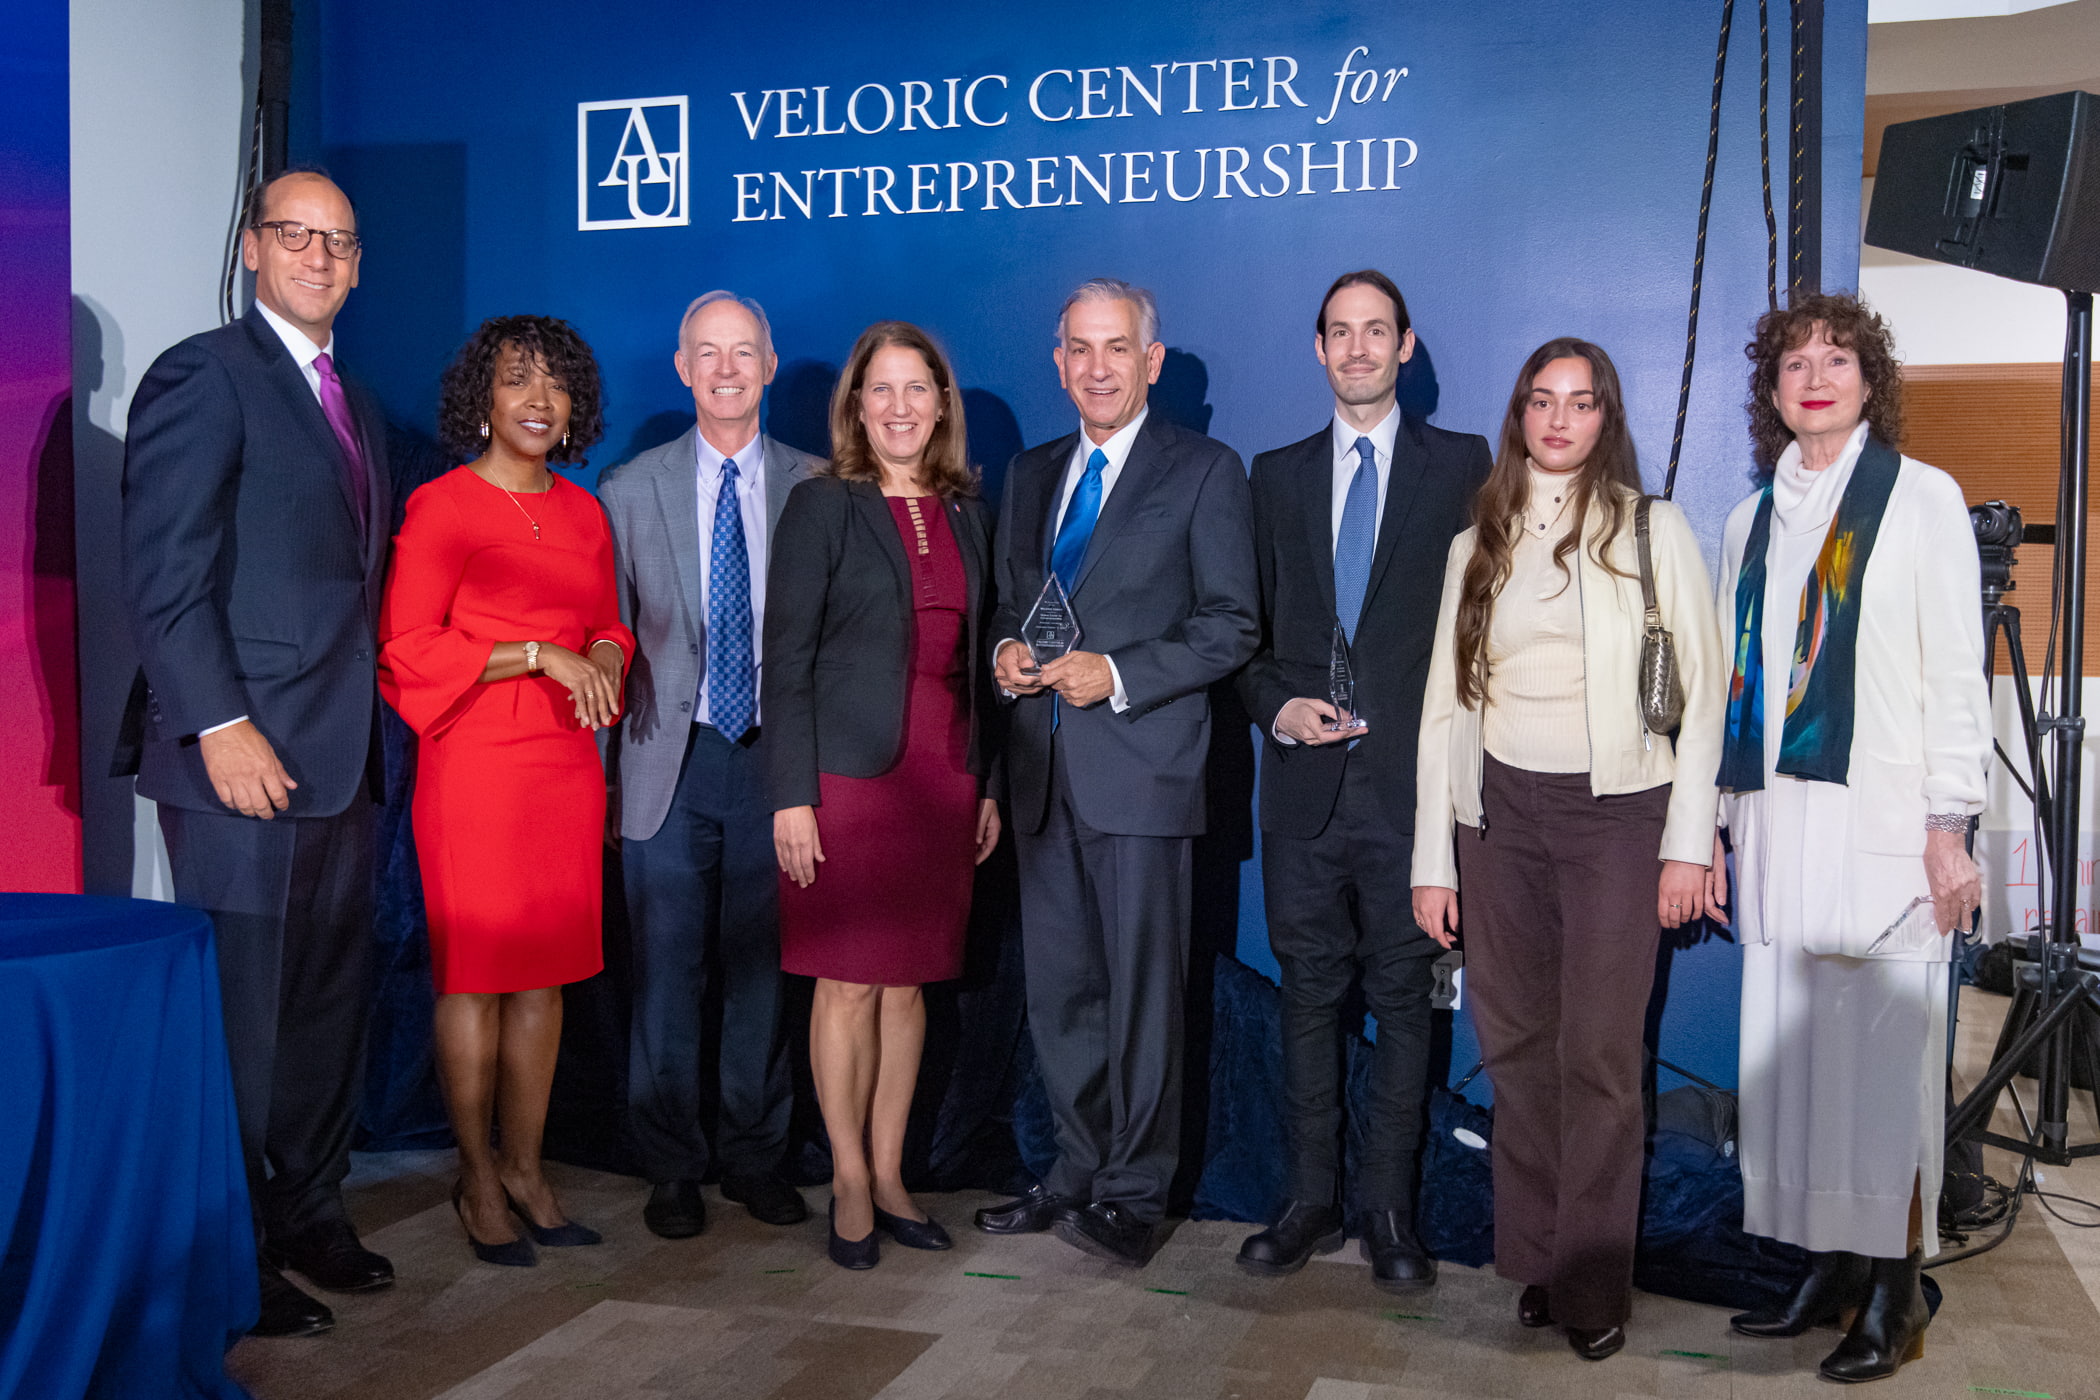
column 1853, row 759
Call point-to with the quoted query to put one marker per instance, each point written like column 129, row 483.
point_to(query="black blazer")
column 1429, row 499
column 1168, row 590
column 250, row 589
column 839, row 630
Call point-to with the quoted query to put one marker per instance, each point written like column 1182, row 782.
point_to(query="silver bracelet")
column 1956, row 822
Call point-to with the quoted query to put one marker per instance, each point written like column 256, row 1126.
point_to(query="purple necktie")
column 338, row 410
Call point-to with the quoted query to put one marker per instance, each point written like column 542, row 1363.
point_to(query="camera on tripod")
column 1998, row 529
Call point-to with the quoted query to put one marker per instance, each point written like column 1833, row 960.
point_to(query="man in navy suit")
column 1351, row 527
column 1147, row 526
column 255, row 525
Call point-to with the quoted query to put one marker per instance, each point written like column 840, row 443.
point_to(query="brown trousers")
column 1558, row 896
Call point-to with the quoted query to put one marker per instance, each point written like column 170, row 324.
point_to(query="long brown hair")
column 1611, row 473
column 1846, row 322
column 947, row 464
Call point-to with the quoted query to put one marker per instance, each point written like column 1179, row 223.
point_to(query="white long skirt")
column 1843, row 1066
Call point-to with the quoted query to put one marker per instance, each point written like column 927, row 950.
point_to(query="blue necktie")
column 1069, row 552
column 1359, row 536
column 729, row 688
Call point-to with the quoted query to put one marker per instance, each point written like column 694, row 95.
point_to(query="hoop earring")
column 484, row 427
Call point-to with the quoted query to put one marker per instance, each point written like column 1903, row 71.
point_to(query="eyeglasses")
column 340, row 242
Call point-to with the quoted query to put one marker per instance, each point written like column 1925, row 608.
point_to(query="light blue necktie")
column 1355, row 544
column 729, row 688
column 1069, row 552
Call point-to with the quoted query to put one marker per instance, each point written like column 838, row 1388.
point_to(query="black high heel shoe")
column 863, row 1253
column 563, row 1236
column 514, row 1254
column 913, row 1234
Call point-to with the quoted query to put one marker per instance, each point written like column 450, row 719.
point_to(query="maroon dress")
column 892, row 897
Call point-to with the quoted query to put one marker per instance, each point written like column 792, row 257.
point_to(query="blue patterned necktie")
column 1069, row 552
column 1353, row 547
column 729, row 688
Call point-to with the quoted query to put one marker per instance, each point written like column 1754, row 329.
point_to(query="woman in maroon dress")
column 501, row 645
column 875, row 694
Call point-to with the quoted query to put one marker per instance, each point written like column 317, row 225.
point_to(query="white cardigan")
column 1624, row 756
column 1921, row 736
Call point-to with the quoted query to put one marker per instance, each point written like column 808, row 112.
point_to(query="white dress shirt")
column 751, row 504
column 304, row 353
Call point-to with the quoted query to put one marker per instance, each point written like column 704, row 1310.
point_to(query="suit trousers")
column 703, row 901
column 1557, row 894
column 290, row 901
column 1339, row 905
column 1105, row 941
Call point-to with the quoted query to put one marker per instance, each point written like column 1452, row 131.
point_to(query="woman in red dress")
column 874, row 694
column 501, row 645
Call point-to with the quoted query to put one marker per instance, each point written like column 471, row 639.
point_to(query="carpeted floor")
column 748, row 1312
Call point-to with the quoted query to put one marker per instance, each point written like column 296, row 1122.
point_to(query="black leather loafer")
column 675, row 1210
column 1535, row 1306
column 330, row 1255
column 1106, row 1230
column 1399, row 1264
column 1030, row 1213
column 1596, row 1343
column 767, row 1196
column 913, row 1234
column 1300, row 1232
column 287, row 1311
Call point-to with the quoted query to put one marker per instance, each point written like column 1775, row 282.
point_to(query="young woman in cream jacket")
column 1567, row 832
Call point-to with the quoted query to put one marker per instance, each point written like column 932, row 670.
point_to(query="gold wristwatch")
column 532, row 657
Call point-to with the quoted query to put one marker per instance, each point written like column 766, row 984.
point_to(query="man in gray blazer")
column 692, row 527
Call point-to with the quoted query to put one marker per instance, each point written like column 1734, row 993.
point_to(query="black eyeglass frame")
column 293, row 237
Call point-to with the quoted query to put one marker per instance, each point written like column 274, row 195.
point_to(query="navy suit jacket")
column 250, row 587
column 1168, row 591
column 1428, row 499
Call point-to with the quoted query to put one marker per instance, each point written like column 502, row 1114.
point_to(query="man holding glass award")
column 1350, row 527
column 1126, row 583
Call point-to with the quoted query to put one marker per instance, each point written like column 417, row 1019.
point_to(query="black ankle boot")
column 1890, row 1328
column 1835, row 1281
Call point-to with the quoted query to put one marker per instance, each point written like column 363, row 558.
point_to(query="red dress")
column 509, row 808
column 891, row 901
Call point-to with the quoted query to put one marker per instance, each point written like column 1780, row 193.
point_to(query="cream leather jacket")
column 1624, row 756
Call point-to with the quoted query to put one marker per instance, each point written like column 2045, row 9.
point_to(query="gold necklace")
column 521, row 505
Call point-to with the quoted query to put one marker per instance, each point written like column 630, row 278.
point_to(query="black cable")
column 1797, row 151
column 229, row 275
column 1764, row 149
column 1706, row 203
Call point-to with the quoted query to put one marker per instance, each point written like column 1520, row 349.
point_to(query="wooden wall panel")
column 1994, row 428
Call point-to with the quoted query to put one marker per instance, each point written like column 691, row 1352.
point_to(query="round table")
column 129, row 1266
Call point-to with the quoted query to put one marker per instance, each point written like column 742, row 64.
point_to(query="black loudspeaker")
column 2013, row 190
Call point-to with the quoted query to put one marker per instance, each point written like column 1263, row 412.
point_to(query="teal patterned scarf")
column 1817, row 740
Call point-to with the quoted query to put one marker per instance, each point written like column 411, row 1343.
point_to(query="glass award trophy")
column 1051, row 629
column 1341, row 685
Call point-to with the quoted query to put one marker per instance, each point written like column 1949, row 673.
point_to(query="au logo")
column 631, row 168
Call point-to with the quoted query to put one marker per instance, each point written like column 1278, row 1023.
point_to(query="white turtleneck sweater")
column 1535, row 717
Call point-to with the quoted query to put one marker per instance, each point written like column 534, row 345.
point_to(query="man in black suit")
column 1147, row 527
column 255, row 524
column 1351, row 529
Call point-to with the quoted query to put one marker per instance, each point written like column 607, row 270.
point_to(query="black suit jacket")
column 1429, row 499
column 1168, row 591
column 839, row 636
column 250, row 588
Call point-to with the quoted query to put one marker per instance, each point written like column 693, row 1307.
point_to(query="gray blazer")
column 654, row 504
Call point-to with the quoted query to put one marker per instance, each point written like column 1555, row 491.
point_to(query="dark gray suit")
column 1105, row 804
column 696, row 839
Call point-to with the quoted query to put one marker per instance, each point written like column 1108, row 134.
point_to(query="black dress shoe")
column 329, row 1254
column 1596, row 1343
column 1399, row 1264
column 1835, row 1281
column 1300, row 1232
column 863, row 1253
column 1106, row 1230
column 913, row 1234
column 1030, row 1213
column 566, row 1235
column 1535, row 1306
column 1890, row 1327
column 511, row 1254
column 675, row 1210
column 769, row 1199
column 286, row 1310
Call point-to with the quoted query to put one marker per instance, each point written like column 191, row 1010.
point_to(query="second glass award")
column 1052, row 628
column 1341, row 685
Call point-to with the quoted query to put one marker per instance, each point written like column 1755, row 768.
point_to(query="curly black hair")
column 468, row 388
column 1845, row 321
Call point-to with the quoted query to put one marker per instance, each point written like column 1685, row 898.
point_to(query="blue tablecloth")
column 130, row 1258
